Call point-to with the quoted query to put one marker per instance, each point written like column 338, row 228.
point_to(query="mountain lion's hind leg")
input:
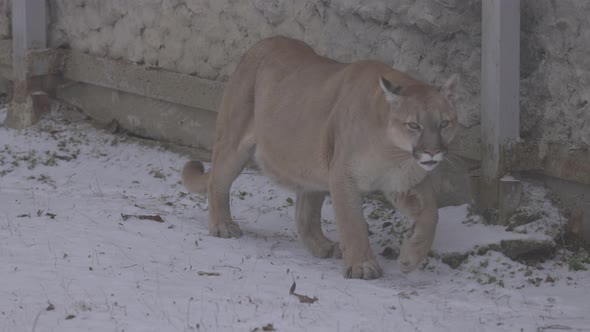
column 308, row 209
column 227, row 164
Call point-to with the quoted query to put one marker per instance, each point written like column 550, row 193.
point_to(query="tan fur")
column 323, row 127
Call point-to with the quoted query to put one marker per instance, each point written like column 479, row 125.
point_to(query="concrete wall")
column 5, row 33
column 5, row 17
column 431, row 39
column 555, row 71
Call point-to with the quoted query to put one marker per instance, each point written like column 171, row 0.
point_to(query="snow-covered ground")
column 70, row 261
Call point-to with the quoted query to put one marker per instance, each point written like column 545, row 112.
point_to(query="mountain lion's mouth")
column 429, row 163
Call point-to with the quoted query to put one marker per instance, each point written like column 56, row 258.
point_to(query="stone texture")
column 429, row 39
column 5, row 19
column 528, row 251
column 555, row 71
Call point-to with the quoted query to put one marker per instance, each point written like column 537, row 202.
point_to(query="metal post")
column 500, row 105
column 29, row 32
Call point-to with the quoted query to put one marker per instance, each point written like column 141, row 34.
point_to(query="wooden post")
column 499, row 104
column 28, row 33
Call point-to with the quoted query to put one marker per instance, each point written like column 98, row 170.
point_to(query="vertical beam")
column 499, row 96
column 29, row 31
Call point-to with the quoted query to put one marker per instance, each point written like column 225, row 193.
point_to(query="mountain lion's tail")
column 194, row 177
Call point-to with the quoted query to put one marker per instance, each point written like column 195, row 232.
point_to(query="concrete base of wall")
column 30, row 111
column 20, row 115
column 143, row 116
column 5, row 87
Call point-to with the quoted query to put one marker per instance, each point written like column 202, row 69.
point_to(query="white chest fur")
column 396, row 178
column 401, row 179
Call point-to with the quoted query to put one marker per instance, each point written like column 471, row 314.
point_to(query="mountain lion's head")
column 422, row 121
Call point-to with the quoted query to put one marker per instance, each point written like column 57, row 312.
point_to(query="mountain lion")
column 322, row 127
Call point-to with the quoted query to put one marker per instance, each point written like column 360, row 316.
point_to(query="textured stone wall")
column 555, row 71
column 5, row 19
column 5, row 33
column 430, row 39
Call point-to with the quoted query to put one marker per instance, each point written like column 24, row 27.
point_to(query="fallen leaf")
column 268, row 327
column 158, row 174
column 156, row 218
column 70, row 317
column 302, row 298
column 50, row 307
column 66, row 158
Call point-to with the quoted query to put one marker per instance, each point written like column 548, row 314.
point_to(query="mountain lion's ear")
column 448, row 89
column 391, row 90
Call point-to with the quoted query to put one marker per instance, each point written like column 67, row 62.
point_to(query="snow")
column 457, row 235
column 69, row 262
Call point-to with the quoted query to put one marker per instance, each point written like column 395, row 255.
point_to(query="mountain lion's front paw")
column 366, row 269
column 412, row 253
column 225, row 230
column 324, row 248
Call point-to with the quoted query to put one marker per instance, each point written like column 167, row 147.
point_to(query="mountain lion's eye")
column 413, row 125
column 444, row 124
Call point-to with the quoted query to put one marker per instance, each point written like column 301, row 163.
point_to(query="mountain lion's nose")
column 432, row 152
